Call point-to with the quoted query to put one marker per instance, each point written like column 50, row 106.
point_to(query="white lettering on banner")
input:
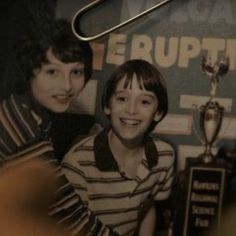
column 167, row 52
column 213, row 46
column 141, row 47
column 166, row 56
column 198, row 10
column 205, row 11
column 231, row 52
column 222, row 10
column 193, row 10
column 190, row 47
column 116, row 49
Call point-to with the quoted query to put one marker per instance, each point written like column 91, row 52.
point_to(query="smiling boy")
column 122, row 169
column 57, row 84
column 54, row 66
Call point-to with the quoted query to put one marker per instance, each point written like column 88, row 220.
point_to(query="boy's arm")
column 24, row 203
column 67, row 209
column 147, row 225
column 161, row 190
column 75, row 174
column 165, row 169
column 20, row 142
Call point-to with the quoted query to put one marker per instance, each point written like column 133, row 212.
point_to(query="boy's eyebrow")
column 152, row 96
column 50, row 64
column 145, row 93
column 80, row 64
column 119, row 92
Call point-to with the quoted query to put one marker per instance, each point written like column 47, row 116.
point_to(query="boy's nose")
column 132, row 107
column 66, row 83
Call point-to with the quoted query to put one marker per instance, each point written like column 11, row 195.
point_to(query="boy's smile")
column 131, row 110
column 128, row 121
column 56, row 83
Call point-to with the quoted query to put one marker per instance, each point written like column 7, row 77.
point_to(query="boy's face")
column 57, row 83
column 132, row 111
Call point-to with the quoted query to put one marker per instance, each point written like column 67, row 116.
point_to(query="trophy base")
column 202, row 193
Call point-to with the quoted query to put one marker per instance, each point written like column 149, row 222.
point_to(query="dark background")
column 15, row 16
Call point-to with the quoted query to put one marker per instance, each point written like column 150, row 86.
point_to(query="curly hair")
column 32, row 48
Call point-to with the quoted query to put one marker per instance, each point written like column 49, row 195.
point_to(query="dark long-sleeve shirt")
column 24, row 135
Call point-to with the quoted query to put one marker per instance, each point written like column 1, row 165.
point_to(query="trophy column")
column 211, row 114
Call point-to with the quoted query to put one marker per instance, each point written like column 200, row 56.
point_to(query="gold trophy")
column 211, row 113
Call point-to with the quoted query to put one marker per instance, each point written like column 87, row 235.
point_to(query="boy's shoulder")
column 85, row 144
column 166, row 152
column 162, row 144
column 17, row 104
column 80, row 151
column 22, row 115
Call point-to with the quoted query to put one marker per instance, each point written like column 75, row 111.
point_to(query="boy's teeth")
column 62, row 96
column 130, row 122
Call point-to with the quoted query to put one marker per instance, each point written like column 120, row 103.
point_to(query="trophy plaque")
column 204, row 199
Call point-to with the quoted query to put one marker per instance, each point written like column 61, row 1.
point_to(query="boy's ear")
column 107, row 110
column 156, row 117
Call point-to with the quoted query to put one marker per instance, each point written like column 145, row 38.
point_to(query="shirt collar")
column 44, row 115
column 104, row 157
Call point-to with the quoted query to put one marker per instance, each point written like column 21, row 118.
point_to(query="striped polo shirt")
column 24, row 135
column 114, row 197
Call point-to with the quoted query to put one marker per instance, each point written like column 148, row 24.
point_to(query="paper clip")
column 76, row 19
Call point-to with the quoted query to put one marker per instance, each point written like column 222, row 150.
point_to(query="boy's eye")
column 78, row 72
column 52, row 72
column 146, row 102
column 121, row 98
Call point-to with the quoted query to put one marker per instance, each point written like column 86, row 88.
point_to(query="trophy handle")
column 195, row 115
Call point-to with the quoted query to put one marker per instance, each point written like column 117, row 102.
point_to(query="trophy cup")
column 211, row 113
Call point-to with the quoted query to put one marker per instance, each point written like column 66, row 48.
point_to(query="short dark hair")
column 148, row 75
column 31, row 50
